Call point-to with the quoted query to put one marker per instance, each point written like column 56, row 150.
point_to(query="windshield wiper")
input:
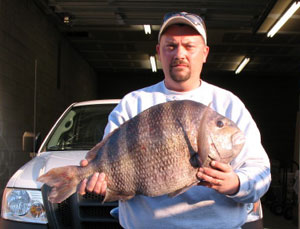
column 55, row 148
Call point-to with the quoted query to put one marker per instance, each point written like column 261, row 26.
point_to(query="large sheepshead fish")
column 157, row 152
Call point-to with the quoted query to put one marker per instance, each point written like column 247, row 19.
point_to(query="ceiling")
column 109, row 34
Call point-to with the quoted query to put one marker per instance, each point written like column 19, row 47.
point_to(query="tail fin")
column 63, row 180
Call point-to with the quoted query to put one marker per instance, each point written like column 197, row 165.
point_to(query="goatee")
column 179, row 75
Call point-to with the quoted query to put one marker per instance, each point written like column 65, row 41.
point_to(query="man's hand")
column 221, row 177
column 96, row 183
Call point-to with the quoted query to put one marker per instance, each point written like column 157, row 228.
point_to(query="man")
column 220, row 199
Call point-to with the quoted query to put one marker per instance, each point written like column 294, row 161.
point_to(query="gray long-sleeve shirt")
column 198, row 207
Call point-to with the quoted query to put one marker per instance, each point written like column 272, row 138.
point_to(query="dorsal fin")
column 94, row 151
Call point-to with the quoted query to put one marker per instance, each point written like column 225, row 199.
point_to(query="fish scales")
column 170, row 162
column 159, row 151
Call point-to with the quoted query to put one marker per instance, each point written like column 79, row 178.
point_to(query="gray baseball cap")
column 192, row 20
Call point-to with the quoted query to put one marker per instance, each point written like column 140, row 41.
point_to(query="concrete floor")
column 272, row 221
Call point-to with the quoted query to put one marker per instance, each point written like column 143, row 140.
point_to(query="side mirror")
column 31, row 143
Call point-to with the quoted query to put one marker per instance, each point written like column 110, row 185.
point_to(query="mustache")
column 179, row 62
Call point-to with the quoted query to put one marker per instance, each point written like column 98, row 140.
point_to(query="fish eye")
column 220, row 124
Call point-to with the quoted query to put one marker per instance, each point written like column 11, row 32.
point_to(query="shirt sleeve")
column 115, row 119
column 252, row 165
column 124, row 111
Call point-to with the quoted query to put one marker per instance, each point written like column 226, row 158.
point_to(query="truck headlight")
column 23, row 205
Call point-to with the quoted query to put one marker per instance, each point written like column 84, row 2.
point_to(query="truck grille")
column 82, row 212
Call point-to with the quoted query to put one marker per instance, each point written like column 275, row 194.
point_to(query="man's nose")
column 180, row 52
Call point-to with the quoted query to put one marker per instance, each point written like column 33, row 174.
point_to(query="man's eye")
column 220, row 124
column 191, row 48
column 171, row 47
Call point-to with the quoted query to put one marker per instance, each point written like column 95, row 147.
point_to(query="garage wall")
column 28, row 42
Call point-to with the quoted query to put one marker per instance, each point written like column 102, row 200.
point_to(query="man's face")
column 182, row 52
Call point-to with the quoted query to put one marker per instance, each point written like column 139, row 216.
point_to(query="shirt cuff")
column 244, row 186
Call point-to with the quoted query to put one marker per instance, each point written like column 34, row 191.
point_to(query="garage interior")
column 56, row 52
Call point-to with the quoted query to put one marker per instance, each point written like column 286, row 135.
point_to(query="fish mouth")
column 238, row 138
column 237, row 141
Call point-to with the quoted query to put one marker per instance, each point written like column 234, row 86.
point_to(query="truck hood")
column 27, row 175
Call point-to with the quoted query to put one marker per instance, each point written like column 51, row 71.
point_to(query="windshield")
column 81, row 128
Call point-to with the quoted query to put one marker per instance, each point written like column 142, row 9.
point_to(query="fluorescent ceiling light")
column 153, row 64
column 147, row 29
column 242, row 65
column 294, row 7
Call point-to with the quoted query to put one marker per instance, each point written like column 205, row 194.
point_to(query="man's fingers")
column 220, row 177
column 100, row 186
column 96, row 184
column 211, row 173
column 218, row 171
column 92, row 182
column 221, row 166
column 83, row 162
column 208, row 176
column 208, row 185
column 103, row 189
column 82, row 187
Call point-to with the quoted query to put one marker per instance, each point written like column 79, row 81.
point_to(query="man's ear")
column 158, row 51
column 205, row 53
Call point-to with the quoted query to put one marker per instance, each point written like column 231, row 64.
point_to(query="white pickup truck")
column 25, row 204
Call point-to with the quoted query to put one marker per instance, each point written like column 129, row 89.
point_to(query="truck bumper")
column 8, row 224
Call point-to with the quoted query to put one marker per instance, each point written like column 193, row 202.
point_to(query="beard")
column 179, row 75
